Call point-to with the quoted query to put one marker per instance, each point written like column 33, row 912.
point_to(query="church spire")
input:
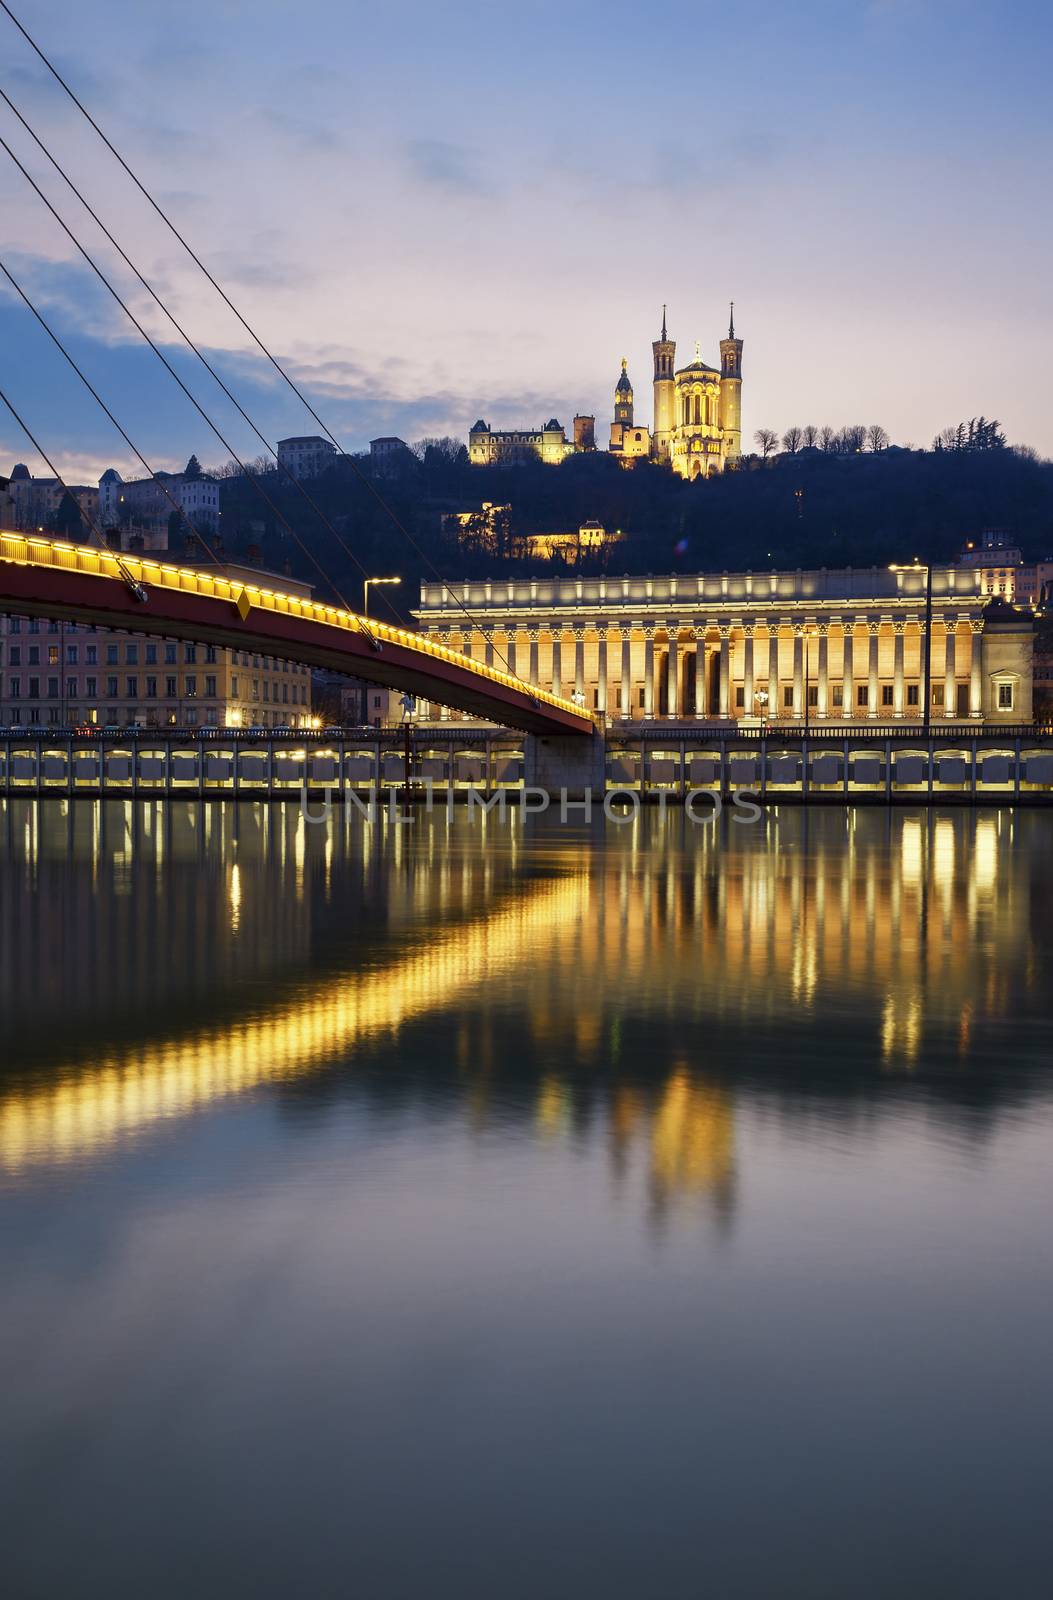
column 663, row 325
column 731, row 328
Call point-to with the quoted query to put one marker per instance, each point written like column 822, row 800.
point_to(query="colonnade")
column 822, row 669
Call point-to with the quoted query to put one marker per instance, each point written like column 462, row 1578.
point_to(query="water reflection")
column 156, row 960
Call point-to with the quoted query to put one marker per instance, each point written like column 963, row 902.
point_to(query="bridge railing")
column 28, row 550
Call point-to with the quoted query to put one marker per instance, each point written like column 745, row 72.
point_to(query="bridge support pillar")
column 570, row 761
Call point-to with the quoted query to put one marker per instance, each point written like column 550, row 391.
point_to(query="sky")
column 433, row 214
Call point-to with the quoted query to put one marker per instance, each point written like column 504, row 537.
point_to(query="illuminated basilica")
column 697, row 410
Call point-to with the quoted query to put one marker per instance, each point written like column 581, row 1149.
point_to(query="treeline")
column 811, row 507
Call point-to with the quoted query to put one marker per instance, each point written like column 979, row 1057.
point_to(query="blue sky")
column 439, row 213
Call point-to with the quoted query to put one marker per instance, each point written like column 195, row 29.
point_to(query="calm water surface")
column 497, row 1209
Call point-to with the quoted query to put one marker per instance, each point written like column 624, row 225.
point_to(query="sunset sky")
column 438, row 213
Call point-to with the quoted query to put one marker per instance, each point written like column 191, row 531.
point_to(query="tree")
column 67, row 520
column 193, row 468
column 877, row 438
column 810, row 436
column 766, row 441
column 828, row 440
column 852, row 439
column 792, row 440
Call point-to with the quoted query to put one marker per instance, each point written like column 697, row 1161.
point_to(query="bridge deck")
column 47, row 578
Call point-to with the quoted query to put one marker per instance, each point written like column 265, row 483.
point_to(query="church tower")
column 664, row 395
column 623, row 398
column 729, row 413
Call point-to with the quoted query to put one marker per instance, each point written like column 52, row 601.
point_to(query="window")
column 191, row 718
column 234, row 685
column 190, row 654
column 71, row 655
column 15, row 655
column 170, row 688
column 91, row 687
column 132, row 689
column 863, row 694
column 131, row 655
column 937, row 694
column 813, row 694
column 15, row 688
column 71, row 688
column 34, row 688
column 111, row 687
column 787, row 696
column 740, row 695
column 151, row 655
column 838, row 696
column 190, row 684
column 91, row 654
column 886, row 694
column 912, row 694
column 34, row 655
column 170, row 654
column 210, row 654
column 111, row 655
column 1005, row 697
column 151, row 688
column 53, row 655
column 266, row 692
column 210, row 685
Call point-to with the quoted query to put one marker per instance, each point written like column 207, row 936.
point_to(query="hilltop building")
column 306, row 456
column 697, row 410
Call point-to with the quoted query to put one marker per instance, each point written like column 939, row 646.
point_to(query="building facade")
column 804, row 648
column 306, row 456
column 488, row 447
column 33, row 502
column 1004, row 574
column 141, row 509
column 70, row 675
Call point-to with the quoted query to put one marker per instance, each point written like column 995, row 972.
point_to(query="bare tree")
column 810, row 436
column 877, row 438
column 828, row 440
column 766, row 441
column 791, row 440
column 853, row 438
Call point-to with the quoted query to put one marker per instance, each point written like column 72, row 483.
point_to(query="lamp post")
column 366, row 587
column 926, row 654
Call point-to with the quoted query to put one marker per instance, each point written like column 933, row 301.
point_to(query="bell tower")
column 623, row 398
column 664, row 395
column 729, row 407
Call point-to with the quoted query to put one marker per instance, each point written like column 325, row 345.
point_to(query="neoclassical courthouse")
column 818, row 647
column 697, row 418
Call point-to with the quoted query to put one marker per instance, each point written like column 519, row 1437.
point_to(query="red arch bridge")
column 80, row 583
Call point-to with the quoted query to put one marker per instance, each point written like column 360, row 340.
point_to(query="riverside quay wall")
column 864, row 765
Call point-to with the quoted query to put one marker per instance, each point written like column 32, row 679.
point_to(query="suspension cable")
column 170, row 369
column 253, row 335
column 92, row 526
column 96, row 396
column 152, row 292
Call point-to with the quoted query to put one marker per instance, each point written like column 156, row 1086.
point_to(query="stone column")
column 626, row 694
column 798, row 672
column 747, row 671
column 648, row 692
column 672, row 672
column 510, row 652
column 725, row 672
column 949, row 681
column 557, row 662
column 601, row 670
column 533, row 656
column 897, row 685
column 872, row 707
column 701, row 707
column 976, row 682
column 774, row 708
column 488, row 653
column 823, row 696
column 848, row 684
column 579, row 664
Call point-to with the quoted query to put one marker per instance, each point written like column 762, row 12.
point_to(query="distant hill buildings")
column 697, row 426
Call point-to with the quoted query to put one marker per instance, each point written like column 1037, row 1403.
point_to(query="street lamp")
column 926, row 688
column 366, row 588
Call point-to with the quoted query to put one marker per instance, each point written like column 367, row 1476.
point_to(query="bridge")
column 79, row 583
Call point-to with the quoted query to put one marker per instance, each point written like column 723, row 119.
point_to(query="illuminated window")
column 1005, row 697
